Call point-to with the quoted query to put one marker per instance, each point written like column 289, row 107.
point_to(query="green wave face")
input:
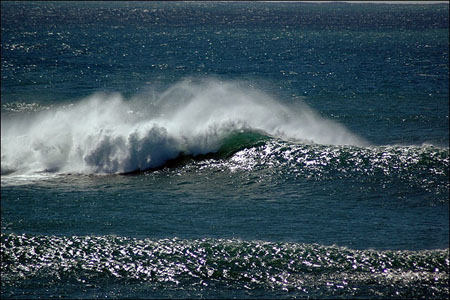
column 204, row 265
column 240, row 140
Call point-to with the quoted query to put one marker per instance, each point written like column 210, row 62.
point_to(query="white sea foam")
column 108, row 134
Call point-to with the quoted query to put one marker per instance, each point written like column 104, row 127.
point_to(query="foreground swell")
column 86, row 263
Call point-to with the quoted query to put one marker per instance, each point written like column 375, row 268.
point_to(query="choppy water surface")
column 212, row 150
column 217, row 268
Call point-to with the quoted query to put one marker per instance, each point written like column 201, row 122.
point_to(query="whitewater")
column 106, row 133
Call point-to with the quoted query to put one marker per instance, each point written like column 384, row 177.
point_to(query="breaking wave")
column 106, row 133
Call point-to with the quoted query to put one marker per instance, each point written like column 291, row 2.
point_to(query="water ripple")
column 304, row 269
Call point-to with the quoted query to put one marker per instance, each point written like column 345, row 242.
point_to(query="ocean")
column 224, row 150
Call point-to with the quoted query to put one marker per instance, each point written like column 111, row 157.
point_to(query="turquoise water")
column 224, row 150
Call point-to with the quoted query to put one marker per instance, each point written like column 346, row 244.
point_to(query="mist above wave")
column 106, row 133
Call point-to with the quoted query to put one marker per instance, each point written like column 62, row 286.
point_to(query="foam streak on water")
column 107, row 134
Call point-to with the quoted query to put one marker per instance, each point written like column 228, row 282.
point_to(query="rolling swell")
column 377, row 170
column 204, row 265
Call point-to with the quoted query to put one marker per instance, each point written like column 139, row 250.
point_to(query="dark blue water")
column 224, row 150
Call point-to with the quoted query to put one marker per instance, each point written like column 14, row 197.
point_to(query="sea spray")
column 106, row 133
